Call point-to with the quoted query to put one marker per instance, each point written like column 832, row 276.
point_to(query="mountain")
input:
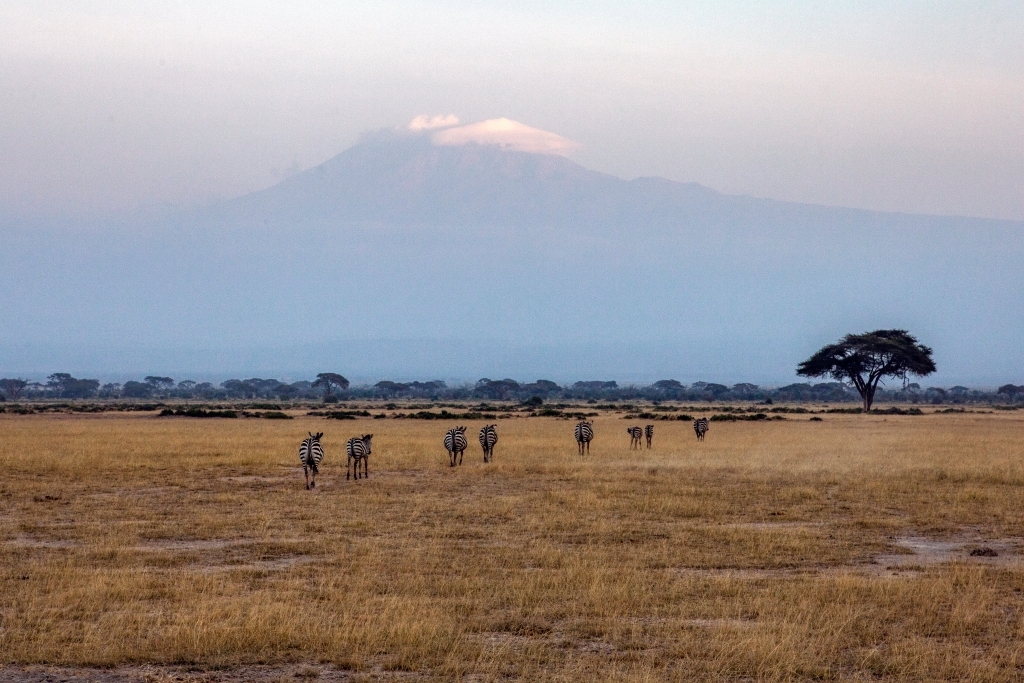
column 399, row 177
column 414, row 256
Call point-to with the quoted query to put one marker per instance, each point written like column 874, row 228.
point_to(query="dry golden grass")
column 133, row 539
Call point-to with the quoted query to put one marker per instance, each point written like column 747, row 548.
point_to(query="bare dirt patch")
column 928, row 552
column 30, row 542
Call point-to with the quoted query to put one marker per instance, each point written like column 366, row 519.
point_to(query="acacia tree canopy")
column 12, row 387
column 328, row 380
column 865, row 359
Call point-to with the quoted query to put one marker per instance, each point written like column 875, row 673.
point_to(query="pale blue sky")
column 908, row 106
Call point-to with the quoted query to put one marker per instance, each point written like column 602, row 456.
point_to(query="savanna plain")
column 137, row 547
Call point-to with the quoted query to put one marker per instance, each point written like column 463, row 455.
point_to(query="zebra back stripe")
column 488, row 437
column 455, row 440
column 358, row 447
column 584, row 432
column 311, row 453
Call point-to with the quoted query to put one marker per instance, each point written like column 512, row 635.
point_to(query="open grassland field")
column 141, row 548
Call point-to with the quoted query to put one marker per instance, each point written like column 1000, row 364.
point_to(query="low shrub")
column 339, row 414
column 733, row 417
column 196, row 412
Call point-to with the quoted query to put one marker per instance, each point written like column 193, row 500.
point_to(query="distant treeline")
column 64, row 386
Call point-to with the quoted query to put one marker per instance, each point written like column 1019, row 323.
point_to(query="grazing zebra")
column 488, row 437
column 584, row 435
column 358, row 449
column 701, row 427
column 455, row 442
column 310, row 455
column 649, row 432
column 635, row 434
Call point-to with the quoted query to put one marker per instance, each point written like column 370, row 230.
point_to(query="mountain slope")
column 400, row 177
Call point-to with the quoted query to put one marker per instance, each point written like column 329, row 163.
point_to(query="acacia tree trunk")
column 869, row 394
column 866, row 389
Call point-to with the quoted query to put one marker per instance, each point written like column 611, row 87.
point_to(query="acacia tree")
column 12, row 387
column 329, row 380
column 865, row 359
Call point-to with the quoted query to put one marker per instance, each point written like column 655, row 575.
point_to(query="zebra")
column 310, row 455
column 649, row 432
column 584, row 435
column 358, row 449
column 700, row 427
column 455, row 442
column 635, row 434
column 488, row 437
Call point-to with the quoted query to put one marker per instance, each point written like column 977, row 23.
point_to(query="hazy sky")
column 908, row 106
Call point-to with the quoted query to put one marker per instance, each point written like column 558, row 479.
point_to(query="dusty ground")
column 137, row 548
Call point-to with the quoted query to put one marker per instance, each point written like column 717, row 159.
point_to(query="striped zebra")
column 455, row 442
column 310, row 455
column 635, row 434
column 488, row 437
column 649, row 433
column 358, row 449
column 584, row 435
column 700, row 427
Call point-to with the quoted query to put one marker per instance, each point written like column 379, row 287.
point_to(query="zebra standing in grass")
column 584, row 435
column 700, row 427
column 455, row 442
column 635, row 434
column 358, row 450
column 310, row 455
column 649, row 432
column 488, row 437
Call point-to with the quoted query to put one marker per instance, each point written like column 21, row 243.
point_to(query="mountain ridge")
column 401, row 177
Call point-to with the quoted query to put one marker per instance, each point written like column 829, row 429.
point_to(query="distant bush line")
column 542, row 395
column 200, row 412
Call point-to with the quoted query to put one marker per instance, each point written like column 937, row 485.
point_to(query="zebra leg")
column 306, row 473
column 366, row 467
